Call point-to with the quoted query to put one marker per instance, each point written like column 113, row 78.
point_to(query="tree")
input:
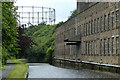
column 9, row 31
column 43, row 35
column 24, row 42
column 73, row 13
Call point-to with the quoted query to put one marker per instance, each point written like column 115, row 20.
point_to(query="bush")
column 49, row 55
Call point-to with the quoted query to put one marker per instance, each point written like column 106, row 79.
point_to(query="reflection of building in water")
column 92, row 35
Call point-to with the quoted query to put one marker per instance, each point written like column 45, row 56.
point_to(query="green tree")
column 73, row 13
column 43, row 36
column 9, row 31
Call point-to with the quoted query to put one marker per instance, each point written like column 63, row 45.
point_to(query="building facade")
column 92, row 35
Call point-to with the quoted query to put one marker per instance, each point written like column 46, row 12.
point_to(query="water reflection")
column 42, row 70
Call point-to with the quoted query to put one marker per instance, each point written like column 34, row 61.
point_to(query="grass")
column 2, row 67
column 19, row 70
column 17, row 61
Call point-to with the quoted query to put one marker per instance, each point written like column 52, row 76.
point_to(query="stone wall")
column 98, row 26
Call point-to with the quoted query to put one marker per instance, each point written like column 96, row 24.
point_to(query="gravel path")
column 9, row 67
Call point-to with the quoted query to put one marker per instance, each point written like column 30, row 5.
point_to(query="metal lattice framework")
column 36, row 15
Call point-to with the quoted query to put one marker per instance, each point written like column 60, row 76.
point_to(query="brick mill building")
column 93, row 35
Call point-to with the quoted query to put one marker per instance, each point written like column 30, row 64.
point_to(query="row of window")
column 101, row 24
column 101, row 47
column 97, row 25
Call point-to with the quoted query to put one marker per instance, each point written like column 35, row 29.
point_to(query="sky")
column 63, row 7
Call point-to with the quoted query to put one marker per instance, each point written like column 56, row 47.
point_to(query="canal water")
column 43, row 70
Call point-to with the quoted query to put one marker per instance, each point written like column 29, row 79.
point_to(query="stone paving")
column 9, row 67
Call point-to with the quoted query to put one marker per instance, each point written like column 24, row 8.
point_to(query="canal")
column 43, row 70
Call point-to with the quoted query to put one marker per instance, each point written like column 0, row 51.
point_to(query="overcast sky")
column 63, row 7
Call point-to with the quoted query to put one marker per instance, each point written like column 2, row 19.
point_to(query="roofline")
column 79, row 13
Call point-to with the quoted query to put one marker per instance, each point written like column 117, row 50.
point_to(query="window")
column 108, row 21
column 104, row 23
column 112, row 45
column 113, row 20
column 87, row 29
column 104, row 46
column 101, row 24
column 94, row 47
column 117, row 45
column 91, row 26
column 108, row 45
column 97, row 25
column 73, row 32
column 82, row 27
column 91, row 48
column 87, row 48
column 101, row 47
column 84, row 30
column 117, row 18
column 78, row 31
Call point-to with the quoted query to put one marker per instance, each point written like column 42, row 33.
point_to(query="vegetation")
column 17, row 61
column 24, row 42
column 17, row 72
column 9, row 31
column 74, row 13
column 43, row 36
column 2, row 67
column 36, row 43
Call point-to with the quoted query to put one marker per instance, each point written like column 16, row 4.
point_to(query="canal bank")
column 77, row 64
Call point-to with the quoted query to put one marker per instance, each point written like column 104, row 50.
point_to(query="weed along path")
column 14, row 69
column 42, row 70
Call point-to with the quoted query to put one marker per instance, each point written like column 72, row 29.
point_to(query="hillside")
column 43, row 36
